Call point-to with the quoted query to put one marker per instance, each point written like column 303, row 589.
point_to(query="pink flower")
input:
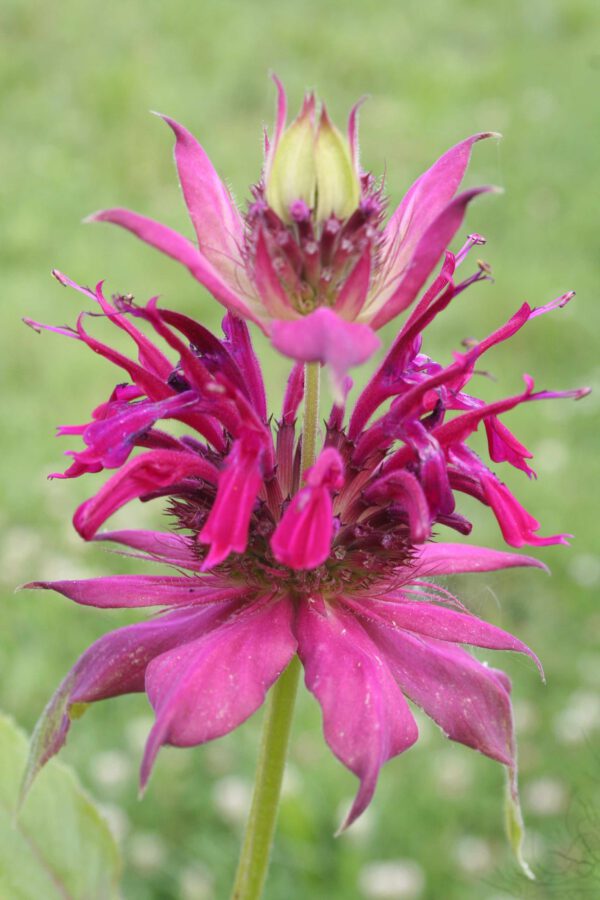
column 310, row 260
column 338, row 567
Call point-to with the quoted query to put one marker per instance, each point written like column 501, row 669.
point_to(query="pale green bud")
column 338, row 187
column 293, row 173
column 312, row 166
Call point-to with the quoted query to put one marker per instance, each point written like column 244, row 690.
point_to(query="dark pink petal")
column 468, row 701
column 142, row 475
column 216, row 220
column 324, row 337
column 240, row 347
column 503, row 446
column 268, row 286
column 129, row 591
column 294, row 394
column 112, row 666
column 433, row 472
column 411, row 273
column 455, row 559
column 226, row 529
column 110, row 440
column 208, row 687
column 353, row 294
column 180, row 249
column 445, row 624
column 302, row 539
column 162, row 546
column 403, row 488
column 366, row 719
column 517, row 525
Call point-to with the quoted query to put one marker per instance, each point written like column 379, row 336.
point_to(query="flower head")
column 311, row 260
column 337, row 564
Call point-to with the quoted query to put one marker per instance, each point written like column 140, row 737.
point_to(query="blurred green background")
column 76, row 82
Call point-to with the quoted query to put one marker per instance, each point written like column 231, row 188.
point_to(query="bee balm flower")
column 337, row 564
column 311, row 259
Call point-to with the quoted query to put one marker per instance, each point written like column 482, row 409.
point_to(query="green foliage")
column 57, row 845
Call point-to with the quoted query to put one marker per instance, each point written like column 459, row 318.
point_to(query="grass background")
column 76, row 82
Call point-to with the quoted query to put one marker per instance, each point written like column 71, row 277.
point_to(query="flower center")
column 311, row 261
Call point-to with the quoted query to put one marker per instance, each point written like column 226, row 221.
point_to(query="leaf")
column 58, row 847
column 515, row 827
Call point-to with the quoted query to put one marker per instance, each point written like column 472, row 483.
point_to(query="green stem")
column 312, row 379
column 260, row 828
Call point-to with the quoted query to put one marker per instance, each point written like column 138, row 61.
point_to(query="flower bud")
column 338, row 187
column 312, row 166
column 292, row 174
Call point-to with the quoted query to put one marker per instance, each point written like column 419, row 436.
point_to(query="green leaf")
column 58, row 847
column 515, row 827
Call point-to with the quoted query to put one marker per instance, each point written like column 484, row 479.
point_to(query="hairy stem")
column 260, row 827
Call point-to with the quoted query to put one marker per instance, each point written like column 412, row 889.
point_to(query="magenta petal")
column 302, row 539
column 207, row 688
column 226, row 529
column 119, row 591
column 469, row 701
column 366, row 719
column 162, row 546
column 431, row 192
column 180, row 249
column 216, row 220
column 448, row 625
column 112, row 666
column 411, row 273
column 455, row 559
column 353, row 294
column 517, row 525
column 324, row 337
column 139, row 476
column 267, row 283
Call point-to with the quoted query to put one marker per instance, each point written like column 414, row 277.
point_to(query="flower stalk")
column 260, row 827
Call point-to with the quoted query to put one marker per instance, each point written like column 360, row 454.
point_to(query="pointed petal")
column 324, row 337
column 207, row 688
column 267, row 283
column 431, row 192
column 216, row 220
column 353, row 134
column 240, row 347
column 164, row 547
column 302, row 539
column 353, row 295
column 366, row 719
column 226, row 529
column 130, row 591
column 169, row 242
column 455, row 559
column 518, row 526
column 445, row 624
column 280, row 119
column 411, row 271
column 468, row 701
column 112, row 666
column 145, row 473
